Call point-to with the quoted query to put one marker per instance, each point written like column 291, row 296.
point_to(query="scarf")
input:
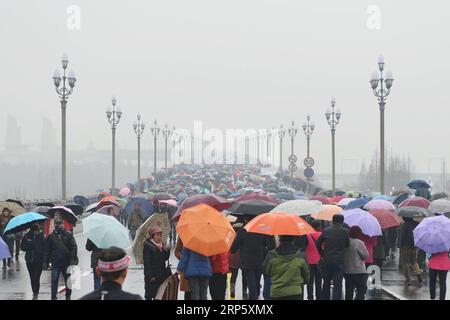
column 158, row 245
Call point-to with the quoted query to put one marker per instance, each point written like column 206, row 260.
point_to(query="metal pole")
column 192, row 150
column 257, row 151
column 63, row 145
column 113, row 158
column 281, row 156
column 307, row 155
column 165, row 153
column 292, row 145
column 139, row 159
column 382, row 147
column 154, row 164
column 333, row 161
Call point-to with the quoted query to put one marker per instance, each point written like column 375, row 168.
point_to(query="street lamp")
column 281, row 134
column 308, row 129
column 64, row 91
column 381, row 87
column 155, row 132
column 333, row 120
column 174, row 139
column 113, row 115
column 139, row 130
column 292, row 133
column 268, row 135
column 166, row 134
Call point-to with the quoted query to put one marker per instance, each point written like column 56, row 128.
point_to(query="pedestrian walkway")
column 392, row 283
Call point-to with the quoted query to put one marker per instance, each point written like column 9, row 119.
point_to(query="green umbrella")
column 106, row 231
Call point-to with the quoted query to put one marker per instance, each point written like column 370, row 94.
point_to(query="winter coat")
column 91, row 247
column 312, row 254
column 55, row 253
column 406, row 236
column 3, row 223
column 440, row 261
column 135, row 220
column 194, row 264
column 184, row 284
column 219, row 263
column 110, row 290
column 334, row 240
column 301, row 242
column 155, row 262
column 370, row 243
column 379, row 250
column 234, row 260
column 33, row 244
column 355, row 256
column 288, row 270
column 253, row 248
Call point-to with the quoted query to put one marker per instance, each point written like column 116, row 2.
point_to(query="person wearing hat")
column 155, row 256
column 112, row 269
column 61, row 252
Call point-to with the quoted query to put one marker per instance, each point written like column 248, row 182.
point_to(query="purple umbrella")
column 4, row 250
column 432, row 235
column 367, row 222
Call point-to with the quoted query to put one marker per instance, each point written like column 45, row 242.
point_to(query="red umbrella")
column 416, row 202
column 386, row 218
column 336, row 199
column 212, row 200
column 321, row 199
column 258, row 196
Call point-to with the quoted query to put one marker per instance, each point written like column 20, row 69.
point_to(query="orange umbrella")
column 108, row 198
column 327, row 212
column 205, row 230
column 279, row 223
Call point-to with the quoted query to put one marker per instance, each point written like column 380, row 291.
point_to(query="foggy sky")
column 233, row 64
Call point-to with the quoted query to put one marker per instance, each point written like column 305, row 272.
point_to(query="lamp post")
column 174, row 139
column 166, row 134
column 139, row 127
column 333, row 117
column 64, row 91
column 268, row 135
column 381, row 86
column 155, row 132
column 113, row 115
column 281, row 134
column 308, row 129
column 258, row 162
column 292, row 133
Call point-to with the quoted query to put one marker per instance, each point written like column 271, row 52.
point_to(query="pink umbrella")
column 124, row 191
column 379, row 205
column 170, row 202
column 115, row 211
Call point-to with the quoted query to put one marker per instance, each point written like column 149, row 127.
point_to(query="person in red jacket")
column 439, row 264
column 313, row 258
column 218, row 281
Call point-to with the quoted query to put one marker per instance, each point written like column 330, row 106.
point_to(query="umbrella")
column 344, row 202
column 400, row 198
column 251, row 207
column 23, row 222
column 76, row 208
column 432, row 235
column 45, row 204
column 16, row 202
column 103, row 194
column 358, row 203
column 324, row 200
column 140, row 196
column 439, row 206
column 146, row 207
column 108, row 199
column 257, row 196
column 327, row 212
column 335, row 199
column 106, row 231
column 416, row 202
column 212, row 200
column 124, row 191
column 41, row 209
column 352, row 194
column 439, row 195
column 299, row 207
column 171, row 202
column 66, row 214
column 379, row 205
column 279, row 223
column 161, row 196
column 104, row 210
column 122, row 202
column 386, row 218
column 368, row 223
column 285, row 196
column 108, row 203
column 13, row 207
column 382, row 197
column 92, row 207
column 222, row 194
column 413, row 212
column 416, row 184
column 4, row 250
column 182, row 196
column 205, row 230
column 82, row 201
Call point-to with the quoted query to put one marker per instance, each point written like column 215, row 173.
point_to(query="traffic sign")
column 309, row 172
column 293, row 167
column 308, row 162
column 292, row 158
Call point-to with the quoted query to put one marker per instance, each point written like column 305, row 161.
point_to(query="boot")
column 35, row 296
column 9, row 262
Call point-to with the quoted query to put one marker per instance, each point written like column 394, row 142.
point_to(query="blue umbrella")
column 358, row 203
column 23, row 222
column 400, row 198
column 416, row 184
column 146, row 207
column 4, row 250
column 82, row 201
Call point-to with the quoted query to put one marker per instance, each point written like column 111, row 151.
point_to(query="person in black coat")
column 61, row 252
column 253, row 248
column 408, row 251
column 33, row 244
column 334, row 239
column 95, row 253
column 112, row 268
column 155, row 256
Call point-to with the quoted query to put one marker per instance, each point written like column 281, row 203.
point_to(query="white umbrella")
column 299, row 207
column 440, row 206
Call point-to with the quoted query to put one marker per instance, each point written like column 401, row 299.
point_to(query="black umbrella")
column 16, row 201
column 413, row 212
column 76, row 208
column 416, row 184
column 251, row 207
column 82, row 201
column 45, row 204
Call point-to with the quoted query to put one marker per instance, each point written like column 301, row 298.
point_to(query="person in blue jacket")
column 197, row 270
